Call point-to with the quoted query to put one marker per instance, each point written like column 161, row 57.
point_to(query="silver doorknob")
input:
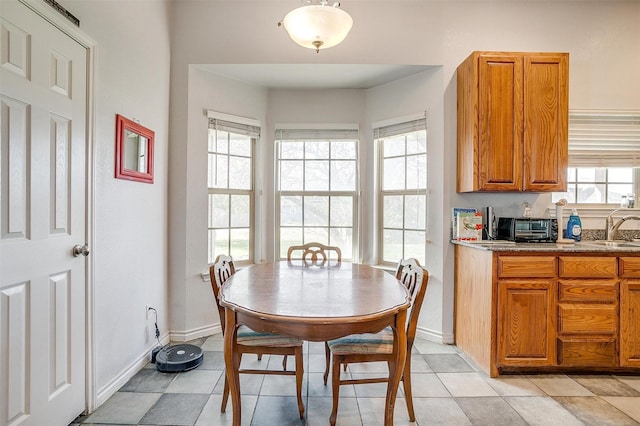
column 80, row 250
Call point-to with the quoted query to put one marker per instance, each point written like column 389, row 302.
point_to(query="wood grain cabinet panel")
column 574, row 352
column 630, row 323
column 526, row 322
column 513, row 122
column 629, row 267
column 598, row 291
column 587, row 318
column 588, row 267
column 546, row 115
column 500, row 121
column 527, row 266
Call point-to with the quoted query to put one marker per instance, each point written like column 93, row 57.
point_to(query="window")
column 403, row 190
column 599, row 185
column 230, row 183
column 604, row 157
column 317, row 181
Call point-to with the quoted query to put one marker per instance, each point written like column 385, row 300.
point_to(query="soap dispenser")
column 574, row 226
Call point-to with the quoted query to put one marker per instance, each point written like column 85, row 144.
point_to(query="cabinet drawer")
column 588, row 267
column 587, row 353
column 574, row 318
column 604, row 291
column 527, row 266
column 629, row 267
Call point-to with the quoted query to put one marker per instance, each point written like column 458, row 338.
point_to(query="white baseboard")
column 125, row 375
column 196, row 333
column 435, row 336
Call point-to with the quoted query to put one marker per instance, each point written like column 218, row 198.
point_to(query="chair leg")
column 406, row 383
column 299, row 376
column 225, row 395
column 284, row 363
column 327, row 360
column 225, row 392
column 259, row 357
column 335, row 389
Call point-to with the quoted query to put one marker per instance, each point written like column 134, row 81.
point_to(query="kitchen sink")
column 612, row 243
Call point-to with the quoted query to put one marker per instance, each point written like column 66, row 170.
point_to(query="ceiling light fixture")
column 317, row 25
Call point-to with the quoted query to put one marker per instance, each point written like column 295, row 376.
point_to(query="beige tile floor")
column 448, row 390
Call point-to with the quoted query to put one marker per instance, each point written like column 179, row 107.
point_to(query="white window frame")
column 310, row 132
column 635, row 189
column 252, row 129
column 392, row 128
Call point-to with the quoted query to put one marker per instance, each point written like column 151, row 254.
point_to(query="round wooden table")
column 315, row 303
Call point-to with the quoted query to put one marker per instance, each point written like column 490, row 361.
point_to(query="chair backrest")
column 415, row 278
column 316, row 253
column 220, row 272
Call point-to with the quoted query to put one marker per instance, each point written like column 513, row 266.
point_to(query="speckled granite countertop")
column 581, row 247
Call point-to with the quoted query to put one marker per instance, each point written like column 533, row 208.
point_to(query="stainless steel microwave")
column 532, row 230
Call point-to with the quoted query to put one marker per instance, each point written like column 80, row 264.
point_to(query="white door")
column 43, row 94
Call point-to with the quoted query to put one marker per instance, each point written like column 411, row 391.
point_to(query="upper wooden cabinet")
column 513, row 111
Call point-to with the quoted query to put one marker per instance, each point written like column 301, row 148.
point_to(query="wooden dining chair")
column 373, row 347
column 315, row 253
column 249, row 341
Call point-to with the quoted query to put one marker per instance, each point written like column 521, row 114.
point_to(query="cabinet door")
column 546, row 115
column 526, row 322
column 500, row 122
column 630, row 323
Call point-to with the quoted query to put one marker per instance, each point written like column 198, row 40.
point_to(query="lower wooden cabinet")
column 534, row 311
column 526, row 322
column 630, row 323
column 630, row 311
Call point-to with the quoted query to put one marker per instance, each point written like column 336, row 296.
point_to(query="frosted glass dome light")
column 318, row 26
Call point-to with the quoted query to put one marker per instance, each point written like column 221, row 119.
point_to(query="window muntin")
column 317, row 181
column 230, row 187
column 403, row 191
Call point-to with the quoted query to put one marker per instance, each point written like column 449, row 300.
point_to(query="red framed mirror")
column 134, row 151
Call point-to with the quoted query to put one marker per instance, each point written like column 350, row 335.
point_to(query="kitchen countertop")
column 581, row 247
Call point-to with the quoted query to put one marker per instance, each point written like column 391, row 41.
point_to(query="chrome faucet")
column 611, row 227
column 609, row 224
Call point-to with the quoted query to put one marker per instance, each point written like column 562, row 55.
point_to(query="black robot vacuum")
column 176, row 358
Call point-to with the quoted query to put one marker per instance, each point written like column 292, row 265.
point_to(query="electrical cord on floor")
column 156, row 325
column 160, row 347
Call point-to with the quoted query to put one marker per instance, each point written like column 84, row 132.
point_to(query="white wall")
column 602, row 38
column 422, row 92
column 130, row 249
column 193, row 311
